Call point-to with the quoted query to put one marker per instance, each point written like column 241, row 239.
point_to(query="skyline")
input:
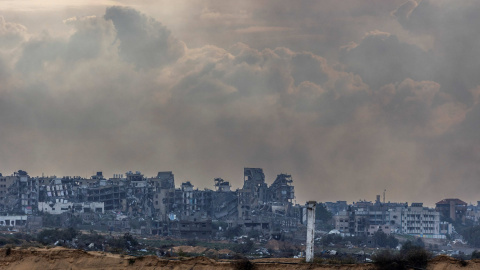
column 234, row 184
column 349, row 98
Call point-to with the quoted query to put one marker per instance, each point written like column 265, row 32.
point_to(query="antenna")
column 385, row 190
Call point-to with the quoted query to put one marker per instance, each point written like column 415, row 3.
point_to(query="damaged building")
column 154, row 205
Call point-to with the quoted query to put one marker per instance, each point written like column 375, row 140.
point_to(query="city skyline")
column 234, row 184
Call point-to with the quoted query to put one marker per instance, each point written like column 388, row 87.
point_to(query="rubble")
column 150, row 205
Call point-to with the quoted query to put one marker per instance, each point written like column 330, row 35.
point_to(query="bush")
column 244, row 248
column 48, row 236
column 331, row 239
column 384, row 240
column 475, row 254
column 182, row 253
column 417, row 257
column 192, row 242
column 387, row 260
column 243, row 264
column 254, row 234
column 471, row 235
column 233, row 231
column 414, row 257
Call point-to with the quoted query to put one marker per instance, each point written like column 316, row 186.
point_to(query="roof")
column 447, row 201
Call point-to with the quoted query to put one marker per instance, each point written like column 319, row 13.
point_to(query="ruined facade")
column 155, row 205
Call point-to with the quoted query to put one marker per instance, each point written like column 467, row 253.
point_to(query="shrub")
column 192, row 242
column 387, row 260
column 463, row 262
column 413, row 257
column 182, row 253
column 243, row 264
column 475, row 254
column 50, row 236
column 245, row 247
column 233, row 231
column 417, row 257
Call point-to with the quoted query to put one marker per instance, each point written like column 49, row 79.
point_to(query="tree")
column 384, row 240
column 331, row 239
column 472, row 235
column 51, row 236
column 233, row 231
column 412, row 246
column 321, row 213
column 245, row 247
column 254, row 234
column 50, row 220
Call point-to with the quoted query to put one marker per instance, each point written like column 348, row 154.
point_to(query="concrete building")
column 13, row 221
column 63, row 206
column 412, row 220
column 454, row 209
column 162, row 208
column 420, row 221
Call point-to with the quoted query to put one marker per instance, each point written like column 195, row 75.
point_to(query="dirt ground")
column 200, row 250
column 60, row 258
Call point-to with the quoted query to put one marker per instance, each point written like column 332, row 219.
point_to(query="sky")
column 350, row 97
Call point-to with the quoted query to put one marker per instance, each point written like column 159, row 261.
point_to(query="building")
column 454, row 209
column 420, row 221
column 411, row 220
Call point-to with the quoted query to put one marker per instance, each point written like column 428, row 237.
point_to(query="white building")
column 412, row 220
column 13, row 221
column 62, row 206
column 416, row 220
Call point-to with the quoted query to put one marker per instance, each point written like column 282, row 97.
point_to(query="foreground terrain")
column 61, row 258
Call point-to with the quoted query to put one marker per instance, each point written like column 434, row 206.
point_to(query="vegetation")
column 381, row 239
column 244, row 248
column 322, row 214
column 71, row 237
column 53, row 221
column 337, row 239
column 50, row 236
column 331, row 239
column 233, row 231
column 410, row 256
column 472, row 235
column 343, row 259
column 243, row 264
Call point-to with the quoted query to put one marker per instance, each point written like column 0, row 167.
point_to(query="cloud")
column 121, row 92
column 381, row 58
column 144, row 41
column 11, row 34
column 452, row 25
column 414, row 108
column 254, row 29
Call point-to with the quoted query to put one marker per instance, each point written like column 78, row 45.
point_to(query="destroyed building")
column 155, row 205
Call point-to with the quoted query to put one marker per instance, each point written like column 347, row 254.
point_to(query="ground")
column 61, row 258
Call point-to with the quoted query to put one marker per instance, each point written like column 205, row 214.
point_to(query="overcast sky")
column 350, row 97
